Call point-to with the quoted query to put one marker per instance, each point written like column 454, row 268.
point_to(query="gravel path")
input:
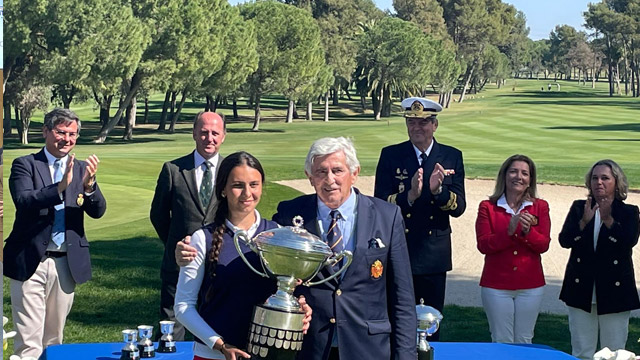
column 462, row 281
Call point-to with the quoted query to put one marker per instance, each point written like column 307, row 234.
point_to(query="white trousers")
column 512, row 314
column 40, row 306
column 584, row 326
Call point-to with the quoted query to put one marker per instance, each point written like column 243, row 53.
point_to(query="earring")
column 224, row 195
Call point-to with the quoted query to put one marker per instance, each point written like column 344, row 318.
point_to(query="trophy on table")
column 286, row 254
column 428, row 323
column 166, row 344
column 145, row 345
column 130, row 350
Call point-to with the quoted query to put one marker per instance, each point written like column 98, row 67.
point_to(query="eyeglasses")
column 63, row 134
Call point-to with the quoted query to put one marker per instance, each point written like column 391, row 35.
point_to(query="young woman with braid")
column 216, row 291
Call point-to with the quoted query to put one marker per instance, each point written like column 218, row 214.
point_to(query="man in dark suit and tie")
column 426, row 179
column 183, row 201
column 47, row 252
column 367, row 313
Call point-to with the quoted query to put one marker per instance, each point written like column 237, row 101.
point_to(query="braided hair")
column 222, row 211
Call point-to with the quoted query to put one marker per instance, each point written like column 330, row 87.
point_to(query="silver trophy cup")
column 130, row 349
column 286, row 254
column 145, row 345
column 429, row 319
column 166, row 344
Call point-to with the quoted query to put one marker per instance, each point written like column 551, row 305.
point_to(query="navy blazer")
column 35, row 196
column 374, row 316
column 609, row 266
column 428, row 230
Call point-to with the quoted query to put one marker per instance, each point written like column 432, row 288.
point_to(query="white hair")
column 329, row 145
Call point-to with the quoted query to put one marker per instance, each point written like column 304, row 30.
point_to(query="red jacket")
column 512, row 262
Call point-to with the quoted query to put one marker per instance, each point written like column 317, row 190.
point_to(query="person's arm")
column 23, row 192
column 402, row 307
column 187, row 291
column 571, row 234
column 625, row 227
column 539, row 236
column 384, row 188
column 452, row 198
column 94, row 204
column 490, row 238
column 160, row 213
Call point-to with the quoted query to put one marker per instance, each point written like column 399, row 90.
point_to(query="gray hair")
column 622, row 185
column 329, row 145
column 60, row 116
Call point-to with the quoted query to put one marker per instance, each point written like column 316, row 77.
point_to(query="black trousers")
column 167, row 297
column 431, row 288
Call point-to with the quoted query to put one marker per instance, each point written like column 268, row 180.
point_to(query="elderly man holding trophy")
column 363, row 304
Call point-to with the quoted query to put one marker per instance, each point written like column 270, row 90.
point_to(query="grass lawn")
column 564, row 132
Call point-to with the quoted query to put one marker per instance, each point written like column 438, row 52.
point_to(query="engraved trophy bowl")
column 429, row 319
column 130, row 350
column 166, row 344
column 287, row 254
column 145, row 345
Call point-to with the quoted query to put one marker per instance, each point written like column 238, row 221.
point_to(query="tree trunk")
column 6, row 120
column 235, row 108
column 207, row 106
column 163, row 116
column 309, row 113
column 363, row 102
column 18, row 122
column 466, row 82
column 146, row 110
column 326, row 106
column 295, row 111
column 256, row 116
column 105, row 106
column 130, row 121
column 290, row 112
column 346, row 91
column 133, row 89
column 386, row 104
column 335, row 95
column 215, row 103
column 24, row 122
column 377, row 107
column 176, row 115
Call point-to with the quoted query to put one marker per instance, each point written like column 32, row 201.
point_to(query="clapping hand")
column 589, row 212
column 89, row 178
column 416, row 186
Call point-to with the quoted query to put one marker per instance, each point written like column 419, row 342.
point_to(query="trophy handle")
column 331, row 261
column 241, row 235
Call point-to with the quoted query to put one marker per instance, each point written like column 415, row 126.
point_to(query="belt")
column 54, row 254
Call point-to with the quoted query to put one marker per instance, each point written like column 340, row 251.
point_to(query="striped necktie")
column 206, row 189
column 334, row 235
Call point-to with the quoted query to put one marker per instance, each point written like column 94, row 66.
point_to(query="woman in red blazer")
column 599, row 285
column 512, row 230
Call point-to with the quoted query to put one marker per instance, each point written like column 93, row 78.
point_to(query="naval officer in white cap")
column 426, row 180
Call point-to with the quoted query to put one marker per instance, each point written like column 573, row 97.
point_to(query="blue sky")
column 542, row 15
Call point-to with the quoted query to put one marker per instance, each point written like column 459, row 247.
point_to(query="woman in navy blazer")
column 599, row 286
column 217, row 291
column 513, row 229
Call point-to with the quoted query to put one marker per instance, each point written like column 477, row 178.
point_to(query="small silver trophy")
column 145, row 345
column 166, row 343
column 428, row 323
column 286, row 254
column 130, row 350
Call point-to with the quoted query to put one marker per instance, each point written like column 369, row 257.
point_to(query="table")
column 443, row 351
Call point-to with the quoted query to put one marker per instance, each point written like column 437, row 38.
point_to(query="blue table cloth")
column 443, row 351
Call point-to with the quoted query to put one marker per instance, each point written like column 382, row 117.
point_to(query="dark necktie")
column 334, row 235
column 423, row 164
column 58, row 230
column 206, row 189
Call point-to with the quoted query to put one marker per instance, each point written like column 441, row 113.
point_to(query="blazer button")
column 578, row 260
column 577, row 280
column 617, row 283
column 431, row 217
column 338, row 292
column 332, row 320
column 615, row 262
column 408, row 216
column 430, row 232
column 432, row 202
column 515, row 252
column 406, row 231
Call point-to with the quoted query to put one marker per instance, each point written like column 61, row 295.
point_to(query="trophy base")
column 165, row 346
column 275, row 334
column 425, row 355
column 130, row 355
column 146, row 351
